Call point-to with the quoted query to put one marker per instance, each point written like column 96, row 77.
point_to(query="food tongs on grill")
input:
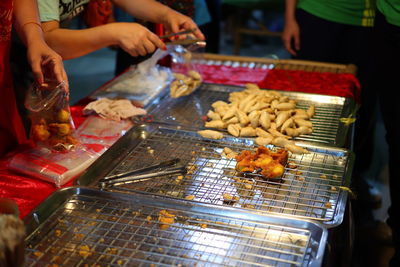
column 166, row 168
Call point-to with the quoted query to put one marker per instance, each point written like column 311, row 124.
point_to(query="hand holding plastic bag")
column 51, row 122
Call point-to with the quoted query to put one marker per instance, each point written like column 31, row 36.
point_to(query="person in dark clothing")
column 386, row 54
column 341, row 32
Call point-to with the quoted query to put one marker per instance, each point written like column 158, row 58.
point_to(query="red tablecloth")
column 28, row 192
column 25, row 191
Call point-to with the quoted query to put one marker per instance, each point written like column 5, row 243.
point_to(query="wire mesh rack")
column 310, row 188
column 85, row 227
column 327, row 127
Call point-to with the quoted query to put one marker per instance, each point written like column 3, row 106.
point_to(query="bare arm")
column 291, row 31
column 132, row 37
column 75, row 43
column 43, row 60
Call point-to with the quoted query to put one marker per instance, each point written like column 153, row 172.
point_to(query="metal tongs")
column 165, row 168
column 187, row 41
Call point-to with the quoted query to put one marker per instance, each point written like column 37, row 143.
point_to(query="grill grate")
column 94, row 228
column 310, row 186
column 190, row 110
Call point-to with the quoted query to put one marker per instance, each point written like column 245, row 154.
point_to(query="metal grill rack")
column 84, row 227
column 310, row 187
column 326, row 123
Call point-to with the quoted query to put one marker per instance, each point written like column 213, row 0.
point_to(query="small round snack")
column 61, row 129
column 63, row 116
column 40, row 132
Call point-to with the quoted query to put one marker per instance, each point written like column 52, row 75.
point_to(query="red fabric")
column 11, row 128
column 25, row 191
column 230, row 75
column 326, row 83
column 77, row 115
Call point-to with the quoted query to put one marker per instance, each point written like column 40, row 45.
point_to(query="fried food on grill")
column 263, row 161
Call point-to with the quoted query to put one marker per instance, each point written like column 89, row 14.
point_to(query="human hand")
column 46, row 64
column 175, row 22
column 291, row 36
column 136, row 39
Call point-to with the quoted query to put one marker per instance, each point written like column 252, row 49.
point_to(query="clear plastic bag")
column 141, row 83
column 55, row 167
column 187, row 77
column 51, row 122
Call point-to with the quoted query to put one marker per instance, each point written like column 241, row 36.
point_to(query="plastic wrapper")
column 141, row 83
column 55, row 167
column 186, row 76
column 97, row 130
column 51, row 122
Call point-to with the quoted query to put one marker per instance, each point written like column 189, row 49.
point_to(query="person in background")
column 386, row 54
column 133, row 38
column 43, row 60
column 212, row 28
column 340, row 32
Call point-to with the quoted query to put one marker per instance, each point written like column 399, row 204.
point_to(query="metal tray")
column 310, row 187
column 84, row 227
column 191, row 109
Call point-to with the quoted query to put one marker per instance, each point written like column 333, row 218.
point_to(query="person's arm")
column 134, row 38
column 156, row 12
column 45, row 62
column 291, row 31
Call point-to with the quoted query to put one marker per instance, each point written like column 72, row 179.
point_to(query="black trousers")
column 387, row 58
column 326, row 41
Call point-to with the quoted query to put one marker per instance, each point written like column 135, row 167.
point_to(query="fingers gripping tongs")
column 187, row 41
column 162, row 169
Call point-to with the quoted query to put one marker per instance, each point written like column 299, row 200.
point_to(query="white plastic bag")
column 143, row 81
